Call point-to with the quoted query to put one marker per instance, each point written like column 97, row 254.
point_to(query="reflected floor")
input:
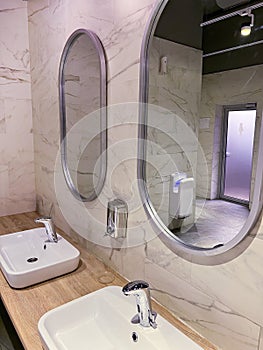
column 237, row 192
column 218, row 222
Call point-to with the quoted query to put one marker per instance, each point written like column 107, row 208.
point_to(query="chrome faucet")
column 50, row 228
column 140, row 289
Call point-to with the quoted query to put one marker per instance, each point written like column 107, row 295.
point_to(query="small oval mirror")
column 82, row 91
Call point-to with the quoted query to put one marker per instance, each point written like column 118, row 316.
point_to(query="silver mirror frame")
column 204, row 256
column 103, row 114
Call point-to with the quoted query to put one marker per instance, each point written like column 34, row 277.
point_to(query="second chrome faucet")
column 140, row 289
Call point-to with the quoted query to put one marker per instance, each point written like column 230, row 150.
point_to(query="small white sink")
column 102, row 321
column 28, row 258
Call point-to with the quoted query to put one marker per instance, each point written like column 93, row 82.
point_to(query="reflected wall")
column 238, row 86
column 178, row 91
column 199, row 100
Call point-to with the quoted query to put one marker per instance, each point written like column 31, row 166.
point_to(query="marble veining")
column 17, row 189
column 203, row 313
column 178, row 91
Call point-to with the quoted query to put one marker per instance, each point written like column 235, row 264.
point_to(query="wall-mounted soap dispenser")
column 117, row 217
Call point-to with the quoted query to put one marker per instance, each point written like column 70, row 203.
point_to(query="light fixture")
column 245, row 29
column 242, row 12
column 247, row 26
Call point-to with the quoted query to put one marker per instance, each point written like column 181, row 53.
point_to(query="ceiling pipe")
column 243, row 12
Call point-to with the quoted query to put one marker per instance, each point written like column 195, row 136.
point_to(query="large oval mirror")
column 200, row 137
column 82, row 93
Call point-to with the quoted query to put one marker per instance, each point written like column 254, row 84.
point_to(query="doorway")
column 237, row 152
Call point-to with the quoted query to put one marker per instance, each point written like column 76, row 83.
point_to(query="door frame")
column 222, row 154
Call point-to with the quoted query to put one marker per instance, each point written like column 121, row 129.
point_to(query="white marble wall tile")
column 16, row 144
column 14, row 83
column 179, row 89
column 20, row 151
column 2, row 118
column 45, row 152
column 47, row 106
column 179, row 92
column 117, row 89
column 111, row 256
column 134, row 263
column 46, row 207
column 124, row 42
column 21, row 174
column 126, row 35
column 14, row 52
column 97, row 16
column 157, row 253
column 18, row 116
column 4, row 188
column 226, row 328
column 16, row 206
column 13, row 27
column 3, row 146
column 260, row 346
column 238, row 283
column 21, row 178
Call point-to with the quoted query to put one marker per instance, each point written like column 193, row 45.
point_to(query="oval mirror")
column 82, row 95
column 200, row 138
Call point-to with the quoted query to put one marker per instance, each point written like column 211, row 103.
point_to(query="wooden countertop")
column 26, row 306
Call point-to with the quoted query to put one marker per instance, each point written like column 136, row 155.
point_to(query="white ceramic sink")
column 102, row 321
column 28, row 258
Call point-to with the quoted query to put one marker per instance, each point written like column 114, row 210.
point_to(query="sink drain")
column 31, row 260
column 134, row 337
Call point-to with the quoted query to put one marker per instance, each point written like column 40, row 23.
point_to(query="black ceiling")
column 180, row 22
column 213, row 8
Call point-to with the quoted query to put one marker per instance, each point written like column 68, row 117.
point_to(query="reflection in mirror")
column 210, row 77
column 82, row 92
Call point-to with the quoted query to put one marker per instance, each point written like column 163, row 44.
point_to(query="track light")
column 245, row 29
column 247, row 26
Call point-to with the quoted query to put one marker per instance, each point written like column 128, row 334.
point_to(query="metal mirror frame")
column 199, row 255
column 103, row 114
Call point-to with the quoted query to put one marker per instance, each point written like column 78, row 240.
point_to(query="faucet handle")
column 152, row 319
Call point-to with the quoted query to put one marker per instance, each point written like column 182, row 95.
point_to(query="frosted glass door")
column 239, row 153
